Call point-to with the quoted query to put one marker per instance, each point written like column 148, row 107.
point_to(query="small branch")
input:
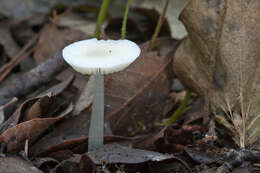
column 5, row 70
column 253, row 122
column 238, row 157
column 43, row 73
column 26, row 147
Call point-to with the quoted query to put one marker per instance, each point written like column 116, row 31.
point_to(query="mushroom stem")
column 96, row 130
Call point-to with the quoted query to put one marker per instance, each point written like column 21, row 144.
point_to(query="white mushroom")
column 99, row 57
column 105, row 56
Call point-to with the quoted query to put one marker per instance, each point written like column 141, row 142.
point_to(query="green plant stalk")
column 123, row 29
column 180, row 110
column 101, row 17
column 158, row 26
column 96, row 129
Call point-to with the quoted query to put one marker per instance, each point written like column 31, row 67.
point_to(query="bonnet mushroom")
column 99, row 57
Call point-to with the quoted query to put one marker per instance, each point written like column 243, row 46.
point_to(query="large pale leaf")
column 220, row 60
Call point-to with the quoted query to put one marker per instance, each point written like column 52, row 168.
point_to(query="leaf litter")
column 220, row 61
column 224, row 71
column 58, row 141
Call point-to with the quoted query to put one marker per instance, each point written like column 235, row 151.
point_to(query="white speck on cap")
column 100, row 56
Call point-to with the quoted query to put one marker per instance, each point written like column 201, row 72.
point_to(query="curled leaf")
column 16, row 135
column 221, row 61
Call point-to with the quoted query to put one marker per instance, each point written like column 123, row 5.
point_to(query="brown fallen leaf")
column 13, row 164
column 135, row 98
column 43, row 73
column 86, row 165
column 50, row 145
column 15, row 136
column 23, row 84
column 69, row 165
column 36, row 110
column 195, row 113
column 53, row 39
column 5, row 106
column 116, row 154
column 173, row 139
column 86, row 97
column 58, row 88
column 27, row 109
column 220, row 60
column 10, row 46
column 15, row 117
column 213, row 155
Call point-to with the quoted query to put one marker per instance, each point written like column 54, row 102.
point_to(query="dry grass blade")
column 2, row 115
column 5, row 70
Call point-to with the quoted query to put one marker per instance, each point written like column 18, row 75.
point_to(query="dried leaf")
column 221, row 61
column 77, row 22
column 57, row 89
column 36, row 110
column 3, row 107
column 204, row 157
column 10, row 47
column 86, row 97
column 30, row 130
column 114, row 154
column 52, row 40
column 43, row 73
column 86, row 165
column 133, row 97
column 127, row 155
column 24, row 9
column 23, row 53
column 51, row 144
column 13, row 164
column 16, row 116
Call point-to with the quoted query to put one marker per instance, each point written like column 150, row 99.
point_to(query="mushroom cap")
column 94, row 56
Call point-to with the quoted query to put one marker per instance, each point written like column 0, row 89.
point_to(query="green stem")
column 158, row 26
column 123, row 30
column 181, row 109
column 101, row 17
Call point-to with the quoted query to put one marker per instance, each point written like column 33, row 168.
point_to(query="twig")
column 5, row 70
column 23, row 84
column 2, row 114
column 238, row 157
column 26, row 147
